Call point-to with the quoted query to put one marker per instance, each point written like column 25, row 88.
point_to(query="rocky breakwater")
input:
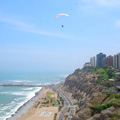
column 89, row 96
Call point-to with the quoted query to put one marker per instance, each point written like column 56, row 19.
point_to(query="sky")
column 32, row 39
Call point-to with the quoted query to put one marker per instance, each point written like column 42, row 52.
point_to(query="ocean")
column 13, row 97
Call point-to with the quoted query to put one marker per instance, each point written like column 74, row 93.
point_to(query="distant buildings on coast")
column 110, row 62
column 101, row 60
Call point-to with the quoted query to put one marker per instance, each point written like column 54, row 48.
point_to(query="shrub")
column 99, row 108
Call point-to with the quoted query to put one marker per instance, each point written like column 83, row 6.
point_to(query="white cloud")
column 49, row 33
column 14, row 22
column 30, row 28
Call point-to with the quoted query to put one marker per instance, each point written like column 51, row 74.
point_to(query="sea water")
column 13, row 97
column 32, row 77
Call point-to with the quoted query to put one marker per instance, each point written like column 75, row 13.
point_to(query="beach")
column 26, row 106
column 32, row 110
column 17, row 92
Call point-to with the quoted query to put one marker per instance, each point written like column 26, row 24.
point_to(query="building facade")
column 104, row 62
column 93, row 62
column 100, row 58
column 87, row 65
column 109, row 61
column 116, row 61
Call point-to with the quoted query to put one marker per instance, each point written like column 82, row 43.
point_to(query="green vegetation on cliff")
column 112, row 101
column 99, row 108
column 105, row 73
column 116, row 116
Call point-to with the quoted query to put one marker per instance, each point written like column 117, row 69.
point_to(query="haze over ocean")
column 47, row 77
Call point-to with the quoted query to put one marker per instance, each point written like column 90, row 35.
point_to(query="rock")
column 95, row 117
column 111, row 109
column 97, row 98
column 105, row 115
column 75, row 118
column 116, row 104
column 85, row 114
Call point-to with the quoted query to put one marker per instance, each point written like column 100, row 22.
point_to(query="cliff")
column 93, row 104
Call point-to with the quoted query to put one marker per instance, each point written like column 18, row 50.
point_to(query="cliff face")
column 84, row 89
column 83, row 86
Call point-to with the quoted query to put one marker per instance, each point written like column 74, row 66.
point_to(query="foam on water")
column 64, row 75
column 9, row 109
column 13, row 93
column 27, row 89
column 20, row 81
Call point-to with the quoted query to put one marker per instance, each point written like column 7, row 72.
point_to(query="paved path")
column 67, row 104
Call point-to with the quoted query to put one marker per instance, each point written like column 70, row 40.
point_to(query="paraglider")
column 62, row 14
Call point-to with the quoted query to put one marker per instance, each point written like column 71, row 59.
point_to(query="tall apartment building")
column 93, row 61
column 116, row 61
column 109, row 61
column 104, row 62
column 100, row 57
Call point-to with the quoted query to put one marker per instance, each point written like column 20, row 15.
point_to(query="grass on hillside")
column 105, row 73
column 114, row 101
column 116, row 116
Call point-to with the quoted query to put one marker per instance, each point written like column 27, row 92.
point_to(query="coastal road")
column 61, row 117
column 72, row 108
column 67, row 104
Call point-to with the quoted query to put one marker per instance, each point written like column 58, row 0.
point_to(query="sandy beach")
column 26, row 106
column 38, row 111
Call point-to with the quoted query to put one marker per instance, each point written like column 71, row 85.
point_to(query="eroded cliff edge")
column 92, row 102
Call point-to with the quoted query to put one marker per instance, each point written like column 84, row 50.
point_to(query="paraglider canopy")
column 62, row 14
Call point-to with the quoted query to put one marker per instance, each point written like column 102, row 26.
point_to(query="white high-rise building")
column 93, row 61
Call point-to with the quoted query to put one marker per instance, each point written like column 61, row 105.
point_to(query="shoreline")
column 41, row 109
column 26, row 106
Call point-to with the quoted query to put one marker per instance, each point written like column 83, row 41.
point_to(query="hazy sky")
column 31, row 38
